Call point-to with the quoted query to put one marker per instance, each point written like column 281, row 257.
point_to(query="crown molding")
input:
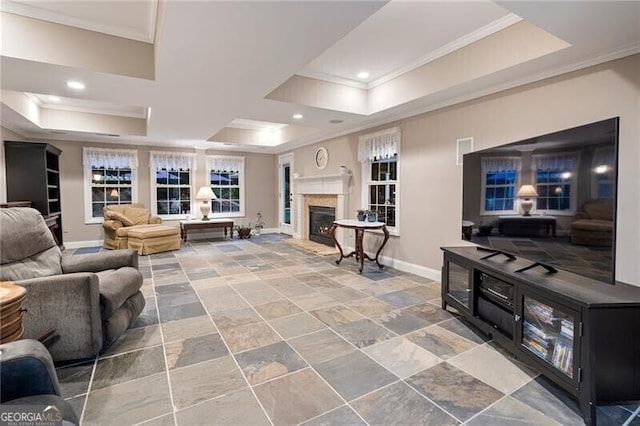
column 102, row 111
column 332, row 79
column 472, row 37
column 145, row 36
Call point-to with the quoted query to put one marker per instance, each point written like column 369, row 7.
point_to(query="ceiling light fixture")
column 297, row 116
column 76, row 85
column 363, row 75
column 54, row 98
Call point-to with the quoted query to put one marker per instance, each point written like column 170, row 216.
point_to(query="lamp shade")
column 527, row 191
column 205, row 193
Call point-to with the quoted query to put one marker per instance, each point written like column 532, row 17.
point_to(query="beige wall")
column 260, row 195
column 431, row 182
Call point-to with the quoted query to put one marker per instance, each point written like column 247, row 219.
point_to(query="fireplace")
column 320, row 220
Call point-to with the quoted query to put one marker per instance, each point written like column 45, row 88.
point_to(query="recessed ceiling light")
column 76, row 85
column 297, row 116
column 54, row 98
column 336, row 121
column 363, row 74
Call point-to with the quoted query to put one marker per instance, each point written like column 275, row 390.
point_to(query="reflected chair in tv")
column 593, row 226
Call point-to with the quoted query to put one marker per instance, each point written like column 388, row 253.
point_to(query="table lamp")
column 526, row 192
column 205, row 194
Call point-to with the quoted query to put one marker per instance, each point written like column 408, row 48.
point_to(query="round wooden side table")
column 11, row 297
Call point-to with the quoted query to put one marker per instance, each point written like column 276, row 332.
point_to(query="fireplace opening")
column 320, row 221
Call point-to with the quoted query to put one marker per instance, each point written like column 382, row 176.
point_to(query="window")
column 603, row 173
column 379, row 154
column 172, row 187
column 226, row 177
column 555, row 182
column 499, row 184
column 554, row 190
column 109, row 178
column 500, row 190
column 382, row 188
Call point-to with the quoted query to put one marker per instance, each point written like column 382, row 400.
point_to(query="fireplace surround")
column 323, row 191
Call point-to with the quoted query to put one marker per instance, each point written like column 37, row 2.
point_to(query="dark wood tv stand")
column 580, row 333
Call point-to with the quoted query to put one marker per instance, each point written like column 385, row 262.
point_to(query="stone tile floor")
column 252, row 332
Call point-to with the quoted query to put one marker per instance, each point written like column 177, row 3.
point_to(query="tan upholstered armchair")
column 120, row 219
column 593, row 226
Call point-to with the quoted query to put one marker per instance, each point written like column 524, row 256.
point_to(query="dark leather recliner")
column 28, row 378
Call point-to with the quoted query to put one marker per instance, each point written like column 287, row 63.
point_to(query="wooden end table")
column 186, row 225
column 360, row 227
column 11, row 297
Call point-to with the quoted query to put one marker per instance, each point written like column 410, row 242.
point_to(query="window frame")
column 573, row 184
column 88, row 193
column 572, row 197
column 366, row 189
column 153, row 180
column 241, row 186
column 483, row 191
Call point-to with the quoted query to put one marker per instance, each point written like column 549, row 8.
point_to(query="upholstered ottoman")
column 154, row 239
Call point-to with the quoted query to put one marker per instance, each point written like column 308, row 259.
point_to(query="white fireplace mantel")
column 324, row 184
column 337, row 185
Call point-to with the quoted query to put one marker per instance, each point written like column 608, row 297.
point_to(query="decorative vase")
column 362, row 216
column 372, row 217
column 244, row 233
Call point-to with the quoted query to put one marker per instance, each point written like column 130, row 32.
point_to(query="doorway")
column 285, row 212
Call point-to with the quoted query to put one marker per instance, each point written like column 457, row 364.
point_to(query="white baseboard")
column 401, row 265
column 270, row 231
column 82, row 244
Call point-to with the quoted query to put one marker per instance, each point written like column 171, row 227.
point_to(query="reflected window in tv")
column 567, row 216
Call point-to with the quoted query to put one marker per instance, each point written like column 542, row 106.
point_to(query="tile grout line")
column 86, row 399
column 164, row 352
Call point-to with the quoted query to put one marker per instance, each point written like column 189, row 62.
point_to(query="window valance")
column 383, row 144
column 172, row 160
column 110, row 158
column 223, row 163
column 563, row 162
column 500, row 164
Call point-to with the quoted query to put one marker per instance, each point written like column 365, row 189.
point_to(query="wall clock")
column 322, row 158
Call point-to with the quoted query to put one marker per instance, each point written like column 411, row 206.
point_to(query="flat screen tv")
column 550, row 199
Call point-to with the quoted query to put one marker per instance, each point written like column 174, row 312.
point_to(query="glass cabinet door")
column 548, row 333
column 459, row 284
